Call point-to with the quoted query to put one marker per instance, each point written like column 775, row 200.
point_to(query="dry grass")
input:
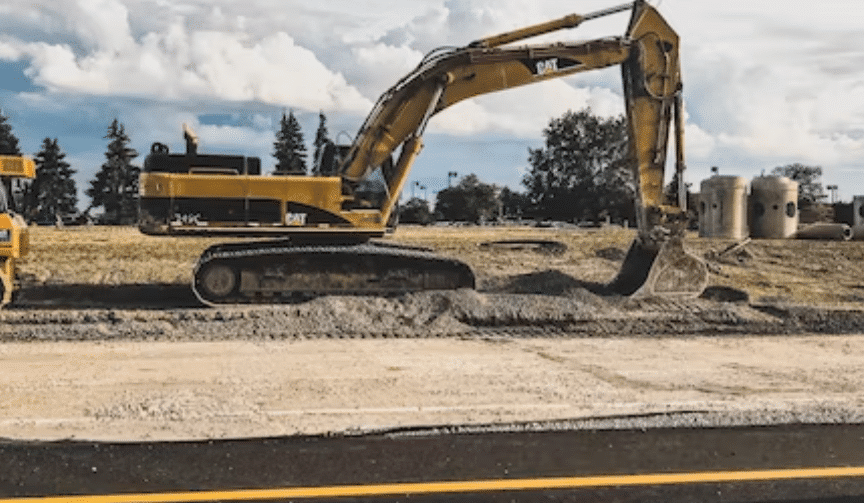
column 801, row 271
column 580, row 260
column 108, row 256
column 808, row 272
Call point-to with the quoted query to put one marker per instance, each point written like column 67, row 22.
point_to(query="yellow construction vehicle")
column 14, row 238
column 325, row 223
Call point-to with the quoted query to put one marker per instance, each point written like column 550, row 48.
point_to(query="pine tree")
column 9, row 146
column 290, row 147
column 115, row 187
column 8, row 141
column 54, row 188
column 321, row 142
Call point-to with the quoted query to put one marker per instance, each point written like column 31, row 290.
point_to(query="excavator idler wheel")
column 670, row 271
column 217, row 280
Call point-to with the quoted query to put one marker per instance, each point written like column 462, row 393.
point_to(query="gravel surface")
column 121, row 390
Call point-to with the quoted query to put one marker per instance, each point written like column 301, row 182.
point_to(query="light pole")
column 450, row 176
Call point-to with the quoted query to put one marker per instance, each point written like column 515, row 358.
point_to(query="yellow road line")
column 456, row 486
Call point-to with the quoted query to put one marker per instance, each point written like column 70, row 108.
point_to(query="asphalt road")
column 774, row 463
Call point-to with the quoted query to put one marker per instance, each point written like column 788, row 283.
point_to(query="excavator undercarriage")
column 276, row 271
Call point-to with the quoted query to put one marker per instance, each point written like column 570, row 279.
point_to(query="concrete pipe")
column 825, row 231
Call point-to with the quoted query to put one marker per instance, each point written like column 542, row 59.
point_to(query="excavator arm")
column 401, row 116
column 648, row 54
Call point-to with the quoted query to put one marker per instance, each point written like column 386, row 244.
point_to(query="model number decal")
column 295, row 219
column 187, row 219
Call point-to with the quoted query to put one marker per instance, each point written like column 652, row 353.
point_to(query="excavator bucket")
column 669, row 272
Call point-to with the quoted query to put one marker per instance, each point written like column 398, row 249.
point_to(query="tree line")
column 581, row 173
column 289, row 149
column 53, row 194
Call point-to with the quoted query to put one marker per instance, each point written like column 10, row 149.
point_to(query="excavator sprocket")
column 279, row 271
column 670, row 271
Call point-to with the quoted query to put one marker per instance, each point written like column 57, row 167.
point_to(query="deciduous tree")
column 809, row 178
column 469, row 201
column 514, row 204
column 582, row 171
column 415, row 211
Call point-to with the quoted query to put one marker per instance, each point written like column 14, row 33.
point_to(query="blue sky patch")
column 12, row 77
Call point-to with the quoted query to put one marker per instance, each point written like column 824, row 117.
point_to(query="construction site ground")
column 106, row 341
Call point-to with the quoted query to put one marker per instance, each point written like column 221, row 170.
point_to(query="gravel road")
column 134, row 390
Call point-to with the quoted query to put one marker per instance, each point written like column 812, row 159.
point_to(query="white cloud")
column 253, row 139
column 697, row 142
column 524, row 111
column 9, row 51
column 763, row 85
column 103, row 23
column 179, row 64
column 377, row 67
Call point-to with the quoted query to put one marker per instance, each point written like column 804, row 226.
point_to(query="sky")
column 765, row 83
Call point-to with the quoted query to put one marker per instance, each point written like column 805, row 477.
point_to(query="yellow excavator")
column 325, row 225
column 14, row 237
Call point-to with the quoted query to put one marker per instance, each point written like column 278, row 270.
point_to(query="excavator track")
column 280, row 271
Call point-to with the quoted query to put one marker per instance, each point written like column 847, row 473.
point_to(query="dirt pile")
column 464, row 313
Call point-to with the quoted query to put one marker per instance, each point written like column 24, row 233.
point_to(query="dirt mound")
column 548, row 282
column 464, row 313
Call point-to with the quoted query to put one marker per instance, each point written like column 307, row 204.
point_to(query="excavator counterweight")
column 325, row 223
